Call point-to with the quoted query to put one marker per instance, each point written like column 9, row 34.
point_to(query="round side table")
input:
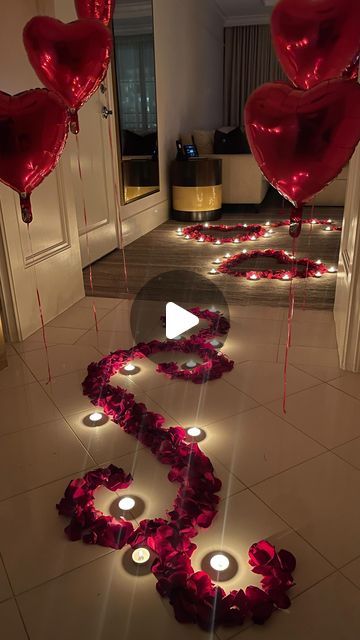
column 196, row 189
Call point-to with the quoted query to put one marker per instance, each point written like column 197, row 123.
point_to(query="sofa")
column 243, row 182
column 334, row 194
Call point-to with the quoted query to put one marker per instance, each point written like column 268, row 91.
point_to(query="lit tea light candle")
column 236, row 241
column 267, row 223
column 245, row 225
column 328, row 228
column 332, row 270
column 187, row 237
column 206, row 225
column 213, row 272
column 129, row 368
column 217, row 242
column 213, row 309
column 267, row 235
column 286, row 276
column 179, row 231
column 244, row 250
column 126, row 504
column 253, row 238
column 219, row 562
column 215, row 343
column 201, row 239
column 313, row 221
column 271, row 231
column 141, row 555
column 329, row 221
column 318, row 261
column 318, row 274
column 254, row 277
column 286, row 253
column 194, row 432
column 217, row 261
column 96, row 417
column 227, row 255
column 191, row 364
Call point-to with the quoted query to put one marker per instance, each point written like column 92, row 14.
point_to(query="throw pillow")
column 231, row 141
column 204, row 141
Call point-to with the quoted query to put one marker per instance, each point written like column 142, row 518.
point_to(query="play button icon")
column 164, row 308
column 178, row 320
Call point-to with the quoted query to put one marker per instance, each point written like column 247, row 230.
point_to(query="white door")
column 50, row 258
column 99, row 236
column 347, row 302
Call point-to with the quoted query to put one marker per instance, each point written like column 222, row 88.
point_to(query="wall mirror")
column 133, row 27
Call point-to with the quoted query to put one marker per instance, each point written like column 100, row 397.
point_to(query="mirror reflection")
column 136, row 91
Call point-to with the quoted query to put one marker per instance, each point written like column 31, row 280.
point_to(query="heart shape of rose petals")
column 71, row 59
column 99, row 9
column 316, row 40
column 33, row 131
column 303, row 139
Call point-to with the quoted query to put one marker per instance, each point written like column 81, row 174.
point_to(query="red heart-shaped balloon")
column 316, row 40
column 71, row 59
column 33, row 131
column 302, row 139
column 99, row 9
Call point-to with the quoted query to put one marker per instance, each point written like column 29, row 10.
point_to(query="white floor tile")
column 67, row 394
column 317, row 499
column 23, row 407
column 107, row 341
column 44, row 552
column 54, row 336
column 16, row 374
column 5, row 590
column 256, row 445
column 324, row 413
column 349, row 383
column 78, row 317
column 98, row 601
column 63, row 359
column 350, row 452
column 352, row 571
column 330, row 610
column 322, row 372
column 11, row 625
column 39, row 455
column 316, row 335
column 264, row 381
column 257, row 311
column 100, row 303
column 310, row 356
column 197, row 405
column 256, row 330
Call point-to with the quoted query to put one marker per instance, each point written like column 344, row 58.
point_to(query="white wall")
column 189, row 73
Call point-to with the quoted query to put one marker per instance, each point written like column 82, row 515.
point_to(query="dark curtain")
column 249, row 62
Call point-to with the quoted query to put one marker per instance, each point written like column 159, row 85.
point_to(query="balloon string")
column 290, row 317
column 40, row 308
column 118, row 208
column 91, row 280
column 307, row 264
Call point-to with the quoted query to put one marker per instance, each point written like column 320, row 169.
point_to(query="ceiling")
column 245, row 11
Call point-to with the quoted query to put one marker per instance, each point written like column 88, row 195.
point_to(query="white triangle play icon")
column 178, row 320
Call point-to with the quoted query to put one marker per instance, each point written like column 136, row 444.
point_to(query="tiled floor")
column 294, row 478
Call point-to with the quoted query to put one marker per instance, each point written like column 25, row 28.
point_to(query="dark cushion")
column 233, row 142
column 137, row 145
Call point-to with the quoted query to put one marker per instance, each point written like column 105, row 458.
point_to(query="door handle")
column 105, row 112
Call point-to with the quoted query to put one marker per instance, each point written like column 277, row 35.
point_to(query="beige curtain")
column 249, row 62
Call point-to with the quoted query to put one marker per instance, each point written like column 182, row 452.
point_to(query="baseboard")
column 145, row 221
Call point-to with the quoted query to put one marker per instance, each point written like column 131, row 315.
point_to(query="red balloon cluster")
column 303, row 137
column 33, row 131
column 316, row 40
column 99, row 9
column 71, row 60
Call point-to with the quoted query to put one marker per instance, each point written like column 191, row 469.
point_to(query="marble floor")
column 294, row 478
